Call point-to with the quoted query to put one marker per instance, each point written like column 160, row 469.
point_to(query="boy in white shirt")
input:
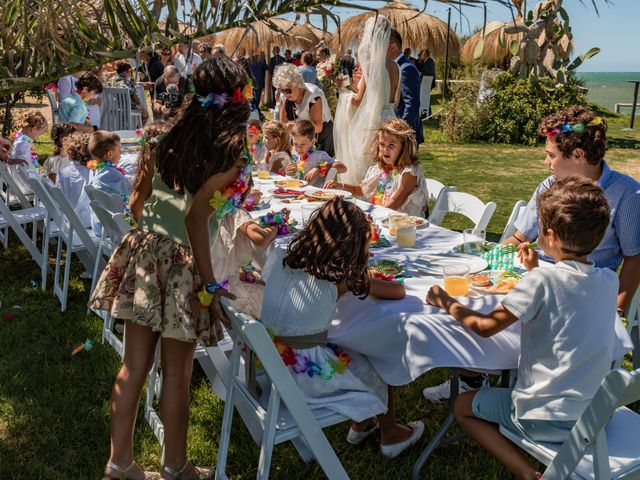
column 567, row 313
column 74, row 177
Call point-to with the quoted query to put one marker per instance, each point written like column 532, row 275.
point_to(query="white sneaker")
column 395, row 449
column 440, row 393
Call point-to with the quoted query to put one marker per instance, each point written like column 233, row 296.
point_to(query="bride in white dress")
column 358, row 116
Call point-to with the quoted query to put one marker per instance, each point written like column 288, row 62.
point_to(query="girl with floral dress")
column 326, row 260
column 395, row 180
column 160, row 279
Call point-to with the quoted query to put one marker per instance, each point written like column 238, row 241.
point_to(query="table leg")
column 439, row 439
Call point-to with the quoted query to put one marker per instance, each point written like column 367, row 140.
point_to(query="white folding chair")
column 16, row 220
column 510, row 228
column 435, row 188
column 465, row 204
column 11, row 192
column 110, row 201
column 269, row 422
column 633, row 326
column 116, row 109
column 53, row 103
column 76, row 239
column 51, row 225
column 604, row 442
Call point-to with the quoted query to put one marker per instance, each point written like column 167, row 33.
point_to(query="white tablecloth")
column 404, row 339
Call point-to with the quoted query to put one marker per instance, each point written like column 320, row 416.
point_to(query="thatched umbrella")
column 418, row 30
column 262, row 37
column 495, row 45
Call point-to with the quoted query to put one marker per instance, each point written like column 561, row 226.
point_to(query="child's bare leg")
column 390, row 431
column 490, row 438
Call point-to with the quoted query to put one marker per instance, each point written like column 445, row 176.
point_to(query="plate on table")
column 130, row 140
column 327, row 194
column 494, row 282
column 386, row 269
column 484, row 247
column 432, row 264
column 291, row 183
column 286, row 193
column 419, row 222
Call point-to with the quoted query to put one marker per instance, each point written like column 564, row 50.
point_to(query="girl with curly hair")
column 325, row 261
column 395, row 180
column 160, row 279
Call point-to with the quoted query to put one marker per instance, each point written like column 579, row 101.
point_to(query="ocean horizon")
column 608, row 88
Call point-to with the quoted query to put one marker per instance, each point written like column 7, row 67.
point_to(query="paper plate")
column 284, row 183
column 497, row 277
column 420, row 222
column 432, row 264
column 286, row 195
column 486, row 247
column 328, row 194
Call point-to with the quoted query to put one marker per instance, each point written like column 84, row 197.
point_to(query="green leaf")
column 585, row 56
column 514, row 47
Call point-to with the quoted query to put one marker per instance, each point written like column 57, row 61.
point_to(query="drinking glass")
column 456, row 279
column 406, row 234
column 395, row 219
column 263, row 172
column 473, row 240
column 307, row 211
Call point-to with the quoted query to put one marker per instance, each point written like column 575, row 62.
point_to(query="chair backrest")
column 37, row 185
column 110, row 201
column 110, row 229
column 465, row 204
column 255, row 336
column 510, row 228
column 633, row 322
column 12, row 188
column 117, row 102
column 73, row 223
column 434, row 187
column 53, row 103
column 618, row 388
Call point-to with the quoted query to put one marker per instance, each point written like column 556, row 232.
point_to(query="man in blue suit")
column 409, row 106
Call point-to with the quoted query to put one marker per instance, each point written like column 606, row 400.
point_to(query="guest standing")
column 307, row 69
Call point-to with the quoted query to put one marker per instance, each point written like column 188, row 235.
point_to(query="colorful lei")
column 233, row 196
column 101, row 165
column 35, row 158
column 578, row 127
column 280, row 220
column 304, row 365
column 301, row 161
column 219, row 100
column 384, row 188
column 324, row 169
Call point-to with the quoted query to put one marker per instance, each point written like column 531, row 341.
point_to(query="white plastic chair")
column 110, row 201
column 268, row 421
column 604, row 442
column 435, row 188
column 116, row 109
column 11, row 192
column 633, row 326
column 16, row 220
column 76, row 239
column 51, row 225
column 465, row 204
column 53, row 103
column 510, row 228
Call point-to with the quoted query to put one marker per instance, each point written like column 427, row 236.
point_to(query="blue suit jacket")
column 409, row 106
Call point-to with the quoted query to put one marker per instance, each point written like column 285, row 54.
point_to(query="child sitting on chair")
column 255, row 140
column 60, row 158
column 104, row 148
column 32, row 124
column 276, row 139
column 395, row 180
column 308, row 163
column 74, row 177
column 567, row 313
column 326, row 260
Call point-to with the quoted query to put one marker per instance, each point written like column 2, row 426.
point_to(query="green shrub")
column 512, row 115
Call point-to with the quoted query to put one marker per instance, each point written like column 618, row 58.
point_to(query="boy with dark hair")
column 568, row 314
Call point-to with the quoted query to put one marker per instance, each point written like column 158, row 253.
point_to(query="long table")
column 406, row 338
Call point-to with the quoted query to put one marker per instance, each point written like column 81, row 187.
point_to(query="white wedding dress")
column 354, row 128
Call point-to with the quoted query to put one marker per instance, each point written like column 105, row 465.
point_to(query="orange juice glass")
column 456, row 279
column 263, row 174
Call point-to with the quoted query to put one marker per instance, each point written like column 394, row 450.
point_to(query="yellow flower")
column 205, row 298
column 217, row 200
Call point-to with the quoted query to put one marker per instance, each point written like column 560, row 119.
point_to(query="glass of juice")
column 263, row 172
column 395, row 219
column 456, row 279
column 406, row 234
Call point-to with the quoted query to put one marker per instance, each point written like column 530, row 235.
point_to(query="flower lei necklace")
column 102, row 164
column 232, row 197
column 301, row 161
column 384, row 188
column 35, row 158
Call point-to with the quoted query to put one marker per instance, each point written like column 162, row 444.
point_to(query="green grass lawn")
column 54, row 421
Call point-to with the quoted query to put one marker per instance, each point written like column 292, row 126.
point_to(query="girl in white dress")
column 395, row 180
column 276, row 139
column 326, row 260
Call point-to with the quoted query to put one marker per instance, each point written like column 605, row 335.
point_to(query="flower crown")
column 574, row 127
column 219, row 100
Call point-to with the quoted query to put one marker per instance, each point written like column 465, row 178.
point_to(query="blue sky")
column 616, row 31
